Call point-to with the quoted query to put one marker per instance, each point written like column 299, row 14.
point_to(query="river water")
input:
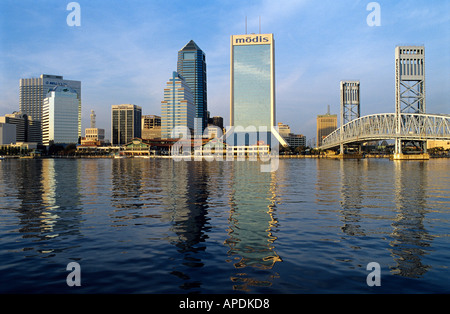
column 161, row 226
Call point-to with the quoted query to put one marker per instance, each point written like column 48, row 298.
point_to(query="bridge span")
column 383, row 126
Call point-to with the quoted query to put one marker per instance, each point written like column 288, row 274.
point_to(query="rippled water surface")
column 161, row 226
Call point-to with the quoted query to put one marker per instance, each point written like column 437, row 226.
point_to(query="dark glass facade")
column 126, row 123
column 192, row 66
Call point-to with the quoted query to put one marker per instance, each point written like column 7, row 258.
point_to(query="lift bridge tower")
column 350, row 105
column 409, row 88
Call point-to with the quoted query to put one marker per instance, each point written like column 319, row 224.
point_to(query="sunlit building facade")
column 32, row 92
column 177, row 108
column 252, row 90
column 60, row 118
column 326, row 124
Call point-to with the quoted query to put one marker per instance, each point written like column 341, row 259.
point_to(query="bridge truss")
column 413, row 127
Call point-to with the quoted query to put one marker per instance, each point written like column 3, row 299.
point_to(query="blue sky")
column 125, row 51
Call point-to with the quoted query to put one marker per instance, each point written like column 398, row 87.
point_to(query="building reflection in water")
column 127, row 183
column 372, row 192
column 252, row 222
column 184, row 197
column 352, row 190
column 49, row 202
column 411, row 239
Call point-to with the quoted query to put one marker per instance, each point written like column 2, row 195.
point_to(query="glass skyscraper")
column 177, row 108
column 252, row 90
column 191, row 66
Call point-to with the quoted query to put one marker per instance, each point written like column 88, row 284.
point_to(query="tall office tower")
column 60, row 118
column 32, row 92
column 350, row 101
column 27, row 129
column 125, row 123
column 326, row 124
column 252, row 90
column 192, row 66
column 177, row 108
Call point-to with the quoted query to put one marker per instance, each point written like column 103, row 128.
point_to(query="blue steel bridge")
column 383, row 126
column 409, row 122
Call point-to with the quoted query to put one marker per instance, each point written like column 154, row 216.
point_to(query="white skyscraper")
column 32, row 92
column 60, row 118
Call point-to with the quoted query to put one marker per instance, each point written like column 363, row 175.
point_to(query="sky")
column 124, row 52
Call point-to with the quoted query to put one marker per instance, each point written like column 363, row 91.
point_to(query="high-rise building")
column 252, row 89
column 177, row 108
column 60, row 118
column 192, row 66
column 125, row 123
column 27, row 129
column 326, row 124
column 32, row 92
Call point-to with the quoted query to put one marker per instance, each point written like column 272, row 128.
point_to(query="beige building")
column 326, row 124
column 151, row 127
column 438, row 143
column 95, row 134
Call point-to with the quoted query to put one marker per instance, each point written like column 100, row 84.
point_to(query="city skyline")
column 318, row 45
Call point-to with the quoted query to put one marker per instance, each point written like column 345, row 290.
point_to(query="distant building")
column 284, row 129
column 27, row 129
column 293, row 140
column 191, row 65
column 177, row 108
column 151, row 127
column 60, row 116
column 214, row 124
column 95, row 134
column 7, row 134
column 326, row 124
column 296, row 140
column 217, row 121
column 125, row 123
column 32, row 92
column 93, row 116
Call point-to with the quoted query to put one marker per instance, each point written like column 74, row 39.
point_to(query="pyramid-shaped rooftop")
column 190, row 46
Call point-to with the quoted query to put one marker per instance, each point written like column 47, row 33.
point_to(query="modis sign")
column 252, row 39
